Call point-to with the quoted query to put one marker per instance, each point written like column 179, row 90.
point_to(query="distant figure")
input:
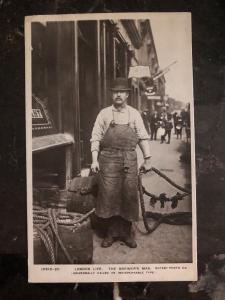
column 145, row 117
column 187, row 125
column 179, row 127
column 188, row 133
column 168, row 124
column 183, row 114
column 154, row 125
column 161, row 129
column 175, row 122
column 164, row 115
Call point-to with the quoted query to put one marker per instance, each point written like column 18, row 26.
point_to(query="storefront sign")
column 42, row 123
column 154, row 97
column 139, row 72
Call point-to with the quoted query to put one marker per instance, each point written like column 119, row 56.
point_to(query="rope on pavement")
column 172, row 218
column 169, row 180
column 141, row 194
column 162, row 198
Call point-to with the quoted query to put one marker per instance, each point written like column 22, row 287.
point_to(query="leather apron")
column 118, row 176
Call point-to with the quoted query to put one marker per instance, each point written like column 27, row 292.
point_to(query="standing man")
column 168, row 124
column 179, row 127
column 145, row 117
column 117, row 131
column 154, row 125
column 175, row 122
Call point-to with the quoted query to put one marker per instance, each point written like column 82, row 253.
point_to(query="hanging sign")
column 150, row 91
column 139, row 72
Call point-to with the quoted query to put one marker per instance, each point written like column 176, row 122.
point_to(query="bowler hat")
column 120, row 84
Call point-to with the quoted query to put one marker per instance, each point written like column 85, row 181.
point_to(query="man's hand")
column 146, row 166
column 95, row 167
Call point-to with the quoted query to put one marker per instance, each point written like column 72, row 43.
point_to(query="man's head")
column 120, row 92
column 169, row 117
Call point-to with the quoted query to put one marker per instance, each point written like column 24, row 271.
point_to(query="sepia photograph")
column 111, row 187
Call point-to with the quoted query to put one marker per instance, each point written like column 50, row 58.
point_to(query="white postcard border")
column 103, row 272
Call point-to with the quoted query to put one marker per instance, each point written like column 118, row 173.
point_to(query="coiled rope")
column 46, row 223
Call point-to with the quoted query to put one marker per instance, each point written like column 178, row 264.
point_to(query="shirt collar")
column 122, row 110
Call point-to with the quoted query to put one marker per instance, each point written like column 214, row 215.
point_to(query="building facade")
column 73, row 65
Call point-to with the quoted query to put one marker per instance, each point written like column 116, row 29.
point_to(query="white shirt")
column 126, row 115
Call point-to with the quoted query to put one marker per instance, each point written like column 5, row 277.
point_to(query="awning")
column 51, row 141
column 133, row 33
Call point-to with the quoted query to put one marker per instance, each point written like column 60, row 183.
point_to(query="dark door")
column 87, row 86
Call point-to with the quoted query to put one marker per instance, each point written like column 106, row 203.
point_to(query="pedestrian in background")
column 187, row 126
column 175, row 122
column 161, row 129
column 168, row 125
column 154, row 125
column 179, row 127
column 145, row 118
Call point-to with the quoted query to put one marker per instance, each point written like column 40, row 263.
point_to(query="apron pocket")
column 111, row 167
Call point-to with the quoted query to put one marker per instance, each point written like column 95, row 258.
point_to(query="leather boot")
column 107, row 242
column 130, row 242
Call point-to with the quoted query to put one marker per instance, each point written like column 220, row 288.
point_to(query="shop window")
column 54, row 109
column 52, row 77
column 44, row 105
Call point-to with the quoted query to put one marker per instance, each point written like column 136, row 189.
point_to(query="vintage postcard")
column 111, row 188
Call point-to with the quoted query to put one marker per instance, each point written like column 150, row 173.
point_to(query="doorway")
column 87, row 54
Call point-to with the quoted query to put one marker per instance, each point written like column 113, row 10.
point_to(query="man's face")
column 119, row 97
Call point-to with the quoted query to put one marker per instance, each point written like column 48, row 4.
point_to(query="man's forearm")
column 94, row 156
column 94, row 150
column 144, row 145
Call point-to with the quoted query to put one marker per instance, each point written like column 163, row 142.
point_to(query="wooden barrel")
column 47, row 196
column 78, row 242
column 82, row 193
column 41, row 256
column 77, row 239
column 80, row 203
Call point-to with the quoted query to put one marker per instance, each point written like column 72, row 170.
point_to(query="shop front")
column 73, row 65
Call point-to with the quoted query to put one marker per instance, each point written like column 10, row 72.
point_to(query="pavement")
column 168, row 243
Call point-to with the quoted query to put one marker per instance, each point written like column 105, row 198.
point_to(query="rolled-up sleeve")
column 140, row 127
column 97, row 133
